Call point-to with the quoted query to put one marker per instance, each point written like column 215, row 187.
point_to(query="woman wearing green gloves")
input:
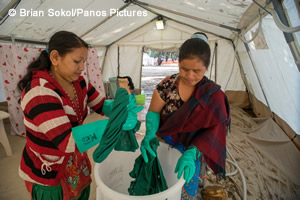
column 55, row 98
column 191, row 113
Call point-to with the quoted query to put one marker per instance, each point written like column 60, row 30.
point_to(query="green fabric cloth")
column 42, row 192
column 107, row 107
column 127, row 141
column 114, row 130
column 149, row 177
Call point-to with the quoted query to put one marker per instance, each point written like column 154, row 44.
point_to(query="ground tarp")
column 269, row 160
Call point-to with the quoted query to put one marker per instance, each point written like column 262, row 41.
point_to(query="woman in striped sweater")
column 54, row 99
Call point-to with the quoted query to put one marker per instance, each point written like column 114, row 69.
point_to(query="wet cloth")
column 114, row 129
column 201, row 121
column 127, row 141
column 149, row 177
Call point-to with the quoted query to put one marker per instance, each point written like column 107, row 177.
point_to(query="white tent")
column 262, row 73
column 121, row 30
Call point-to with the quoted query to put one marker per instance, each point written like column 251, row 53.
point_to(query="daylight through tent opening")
column 255, row 59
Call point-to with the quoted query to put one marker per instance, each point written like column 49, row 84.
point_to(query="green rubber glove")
column 107, row 107
column 186, row 163
column 152, row 124
column 132, row 109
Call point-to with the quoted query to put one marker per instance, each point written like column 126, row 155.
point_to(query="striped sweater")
column 49, row 118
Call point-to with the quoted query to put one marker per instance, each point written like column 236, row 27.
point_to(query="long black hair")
column 64, row 42
column 195, row 47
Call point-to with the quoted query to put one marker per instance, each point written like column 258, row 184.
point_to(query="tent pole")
column 4, row 11
column 212, row 62
column 104, row 59
column 254, row 19
column 131, row 32
column 141, row 71
column 105, row 20
column 102, row 63
column 258, row 78
column 216, row 60
column 201, row 30
column 118, row 60
column 9, row 39
column 288, row 36
column 242, row 72
column 185, row 15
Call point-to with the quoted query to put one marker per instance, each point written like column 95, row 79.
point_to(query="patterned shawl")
column 201, row 121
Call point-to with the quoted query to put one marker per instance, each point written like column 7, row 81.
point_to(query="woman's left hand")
column 186, row 164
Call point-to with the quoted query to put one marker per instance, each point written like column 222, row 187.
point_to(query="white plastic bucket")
column 113, row 180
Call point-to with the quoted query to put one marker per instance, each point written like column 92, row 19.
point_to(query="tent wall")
column 278, row 74
column 129, row 50
column 101, row 54
column 253, row 84
column 268, row 72
column 130, row 63
column 228, row 71
column 238, row 98
column 110, row 64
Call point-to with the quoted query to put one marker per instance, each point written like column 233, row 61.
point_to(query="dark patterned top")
column 169, row 92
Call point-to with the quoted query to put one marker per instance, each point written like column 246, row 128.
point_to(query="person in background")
column 191, row 113
column 55, row 98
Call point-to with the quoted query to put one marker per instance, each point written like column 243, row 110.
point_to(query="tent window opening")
column 156, row 66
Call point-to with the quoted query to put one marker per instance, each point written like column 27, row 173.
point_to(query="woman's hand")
column 186, row 164
column 152, row 124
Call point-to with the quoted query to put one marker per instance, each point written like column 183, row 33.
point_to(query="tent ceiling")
column 220, row 17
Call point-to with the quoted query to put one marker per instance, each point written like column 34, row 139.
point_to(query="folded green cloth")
column 149, row 177
column 114, row 135
column 113, row 129
column 127, row 141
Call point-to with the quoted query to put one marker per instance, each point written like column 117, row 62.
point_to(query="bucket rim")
column 104, row 187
